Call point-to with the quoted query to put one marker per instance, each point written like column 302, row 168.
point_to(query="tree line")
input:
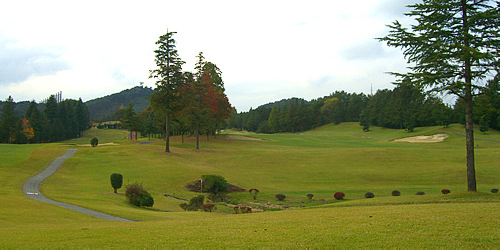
column 404, row 107
column 56, row 122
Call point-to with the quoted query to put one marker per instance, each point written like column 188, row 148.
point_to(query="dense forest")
column 55, row 122
column 404, row 107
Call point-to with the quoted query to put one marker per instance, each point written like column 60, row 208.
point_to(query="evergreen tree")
column 169, row 79
column 454, row 45
column 9, row 125
column 82, row 116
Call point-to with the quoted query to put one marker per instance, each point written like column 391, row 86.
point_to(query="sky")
column 266, row 50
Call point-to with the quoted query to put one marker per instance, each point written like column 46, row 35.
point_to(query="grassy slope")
column 329, row 159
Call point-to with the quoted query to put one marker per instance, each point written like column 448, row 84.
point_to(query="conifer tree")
column 454, row 47
column 169, row 79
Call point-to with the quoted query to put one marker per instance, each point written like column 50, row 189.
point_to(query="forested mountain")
column 104, row 107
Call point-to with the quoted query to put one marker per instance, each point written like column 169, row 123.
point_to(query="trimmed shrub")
column 420, row 193
column 369, row 195
column 214, row 184
column 310, row 196
column 116, row 181
column 396, row 193
column 445, row 191
column 280, row 197
column 137, row 196
column 494, row 190
column 339, row 195
column 94, row 142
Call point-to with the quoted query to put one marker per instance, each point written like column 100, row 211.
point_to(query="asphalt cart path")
column 32, row 189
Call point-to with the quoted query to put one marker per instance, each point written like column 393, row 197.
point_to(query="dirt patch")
column 424, row 139
column 196, row 187
column 242, row 138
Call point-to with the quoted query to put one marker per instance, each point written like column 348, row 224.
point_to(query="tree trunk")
column 469, row 122
column 197, row 134
column 469, row 137
column 167, row 131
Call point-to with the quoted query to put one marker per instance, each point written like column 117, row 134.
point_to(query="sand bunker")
column 243, row 138
column 424, row 139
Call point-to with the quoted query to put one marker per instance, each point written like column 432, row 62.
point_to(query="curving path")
column 32, row 189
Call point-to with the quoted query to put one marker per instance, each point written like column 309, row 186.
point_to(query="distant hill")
column 104, row 107
column 281, row 103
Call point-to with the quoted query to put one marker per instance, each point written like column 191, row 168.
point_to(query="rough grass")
column 321, row 162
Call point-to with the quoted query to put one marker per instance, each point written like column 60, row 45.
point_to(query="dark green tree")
column 82, row 116
column 130, row 119
column 9, row 124
column 453, row 46
column 116, row 181
column 169, row 78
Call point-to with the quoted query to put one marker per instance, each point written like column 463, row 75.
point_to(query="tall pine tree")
column 169, row 79
column 454, row 46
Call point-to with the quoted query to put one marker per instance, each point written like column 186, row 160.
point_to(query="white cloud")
column 267, row 50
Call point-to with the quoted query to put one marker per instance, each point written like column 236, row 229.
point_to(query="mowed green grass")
column 329, row 159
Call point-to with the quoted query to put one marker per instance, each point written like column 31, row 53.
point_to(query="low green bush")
column 369, row 195
column 494, row 190
column 396, row 193
column 310, row 196
column 445, row 191
column 280, row 197
column 194, row 204
column 137, row 196
column 420, row 193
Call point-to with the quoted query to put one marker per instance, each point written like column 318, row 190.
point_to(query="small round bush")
column 420, row 193
column 280, row 197
column 369, row 195
column 94, row 142
column 494, row 190
column 339, row 195
column 445, row 191
column 396, row 193
column 310, row 196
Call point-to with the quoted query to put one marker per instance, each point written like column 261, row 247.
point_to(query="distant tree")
column 116, row 181
column 9, row 124
column 453, row 46
column 130, row 119
column 37, row 121
column 82, row 116
column 169, row 79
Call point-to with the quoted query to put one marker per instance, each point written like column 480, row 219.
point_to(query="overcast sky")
column 267, row 50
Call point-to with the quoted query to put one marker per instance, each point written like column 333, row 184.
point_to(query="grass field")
column 323, row 161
